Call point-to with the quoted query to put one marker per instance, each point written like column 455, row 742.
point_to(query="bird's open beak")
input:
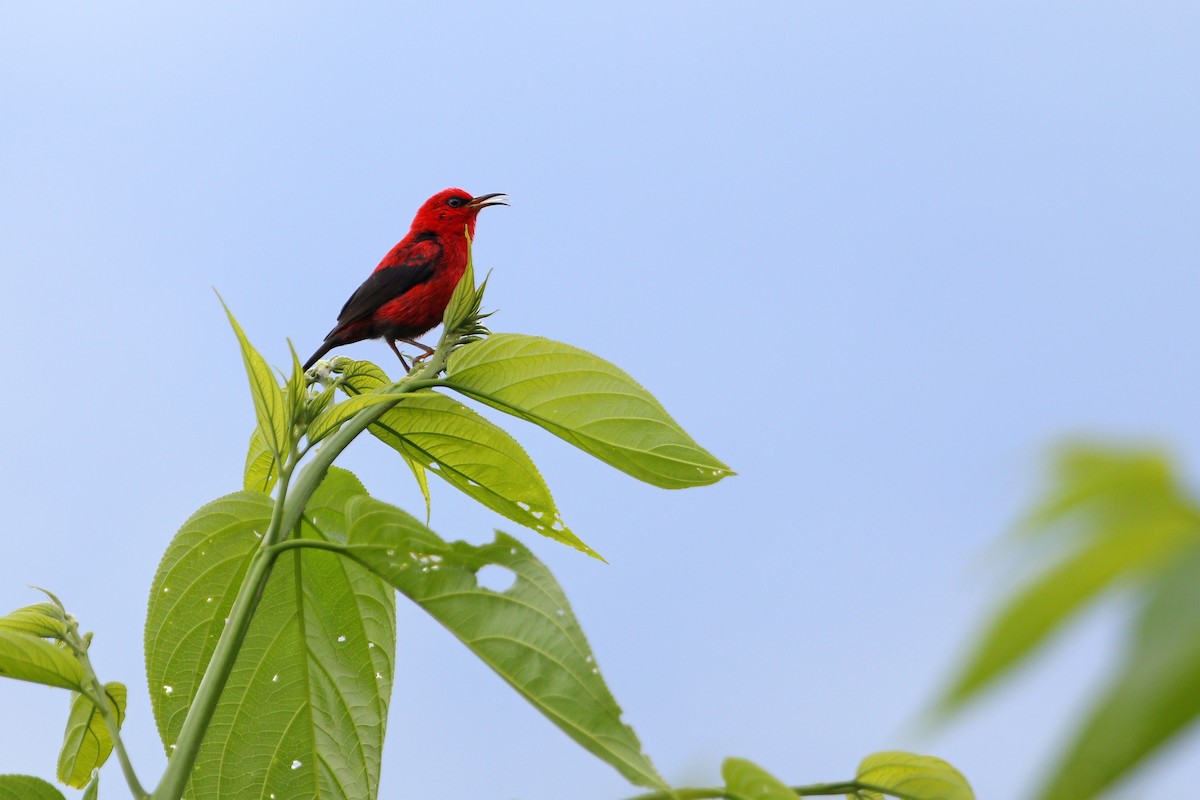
column 484, row 200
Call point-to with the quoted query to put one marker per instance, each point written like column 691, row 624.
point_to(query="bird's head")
column 451, row 210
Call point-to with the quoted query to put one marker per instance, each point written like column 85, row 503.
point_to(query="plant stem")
column 108, row 713
column 811, row 790
column 315, row 544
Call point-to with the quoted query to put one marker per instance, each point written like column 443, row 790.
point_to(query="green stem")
column 108, row 713
column 811, row 790
column 316, row 544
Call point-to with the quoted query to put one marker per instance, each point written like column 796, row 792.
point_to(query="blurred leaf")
column 261, row 467
column 911, row 776
column 748, row 781
column 92, row 792
column 585, row 401
column 1105, row 488
column 526, row 633
column 269, row 404
column 304, row 711
column 25, row 787
column 1127, row 518
column 470, row 453
column 87, row 743
column 26, row 657
column 1050, row 601
column 1154, row 697
column 1132, row 525
column 44, row 620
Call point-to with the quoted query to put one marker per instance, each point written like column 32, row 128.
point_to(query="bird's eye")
column 455, row 202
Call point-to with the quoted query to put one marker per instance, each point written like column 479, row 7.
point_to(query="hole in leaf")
column 495, row 578
column 296, row 764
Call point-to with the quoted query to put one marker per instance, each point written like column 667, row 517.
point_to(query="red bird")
column 408, row 292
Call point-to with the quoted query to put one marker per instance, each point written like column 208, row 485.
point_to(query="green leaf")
column 92, row 792
column 527, row 633
column 748, row 781
column 336, row 415
column 470, row 453
column 1155, row 696
column 87, row 743
column 269, row 405
column 464, row 302
column 26, row 657
column 1044, row 606
column 911, row 776
column 419, row 474
column 296, row 391
column 262, row 469
column 44, row 620
column 586, row 401
column 25, row 787
column 304, row 711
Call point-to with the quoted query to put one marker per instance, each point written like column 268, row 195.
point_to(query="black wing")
column 413, row 265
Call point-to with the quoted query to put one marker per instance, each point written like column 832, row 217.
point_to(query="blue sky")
column 876, row 256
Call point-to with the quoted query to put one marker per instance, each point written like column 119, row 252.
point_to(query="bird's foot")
column 426, row 350
column 396, row 350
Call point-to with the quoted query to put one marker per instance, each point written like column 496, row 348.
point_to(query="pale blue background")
column 877, row 256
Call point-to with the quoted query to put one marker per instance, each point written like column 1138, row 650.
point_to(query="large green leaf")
column 912, row 776
column 269, row 405
column 468, row 452
column 585, row 400
column 87, row 743
column 304, row 711
column 745, row 780
column 26, row 657
column 25, row 787
column 526, row 633
column 1156, row 695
